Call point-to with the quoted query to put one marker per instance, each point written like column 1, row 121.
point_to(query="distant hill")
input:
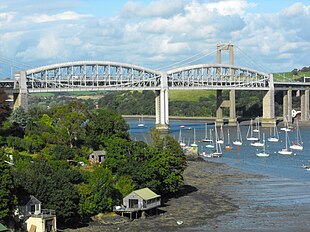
column 294, row 75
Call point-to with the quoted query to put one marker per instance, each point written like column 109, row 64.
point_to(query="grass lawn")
column 42, row 94
column 287, row 76
column 189, row 95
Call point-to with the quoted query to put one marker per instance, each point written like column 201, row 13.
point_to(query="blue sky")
column 269, row 36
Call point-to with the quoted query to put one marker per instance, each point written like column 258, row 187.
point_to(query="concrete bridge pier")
column 161, row 106
column 232, row 108
column 219, row 111
column 287, row 105
column 231, row 104
column 269, row 119
column 305, row 105
column 21, row 99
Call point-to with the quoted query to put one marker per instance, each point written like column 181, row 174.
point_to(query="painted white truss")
column 91, row 75
column 217, row 76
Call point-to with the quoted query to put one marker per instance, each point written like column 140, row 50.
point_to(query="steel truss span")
column 92, row 75
column 217, row 76
column 104, row 75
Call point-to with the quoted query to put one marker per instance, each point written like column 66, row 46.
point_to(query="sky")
column 269, row 36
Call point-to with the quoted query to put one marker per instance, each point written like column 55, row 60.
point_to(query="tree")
column 20, row 117
column 7, row 198
column 99, row 194
column 104, row 124
column 69, row 121
column 4, row 107
column 51, row 183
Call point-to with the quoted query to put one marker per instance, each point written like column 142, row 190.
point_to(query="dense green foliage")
column 51, row 143
column 7, row 197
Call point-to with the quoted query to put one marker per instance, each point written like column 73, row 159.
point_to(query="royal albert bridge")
column 105, row 75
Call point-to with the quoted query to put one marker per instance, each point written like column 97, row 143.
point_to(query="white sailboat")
column 182, row 144
column 257, row 143
column 274, row 134
column 297, row 145
column 285, row 151
column 238, row 141
column 211, row 143
column 194, row 144
column 263, row 154
column 250, row 134
column 286, row 127
column 257, row 125
column 141, row 122
column 228, row 145
column 217, row 152
column 207, row 139
column 220, row 138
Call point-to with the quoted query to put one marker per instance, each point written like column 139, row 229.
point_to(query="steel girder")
column 104, row 75
column 217, row 76
column 92, row 75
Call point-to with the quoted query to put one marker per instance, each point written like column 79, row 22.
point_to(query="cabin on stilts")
column 138, row 201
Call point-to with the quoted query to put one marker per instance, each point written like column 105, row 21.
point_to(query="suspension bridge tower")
column 231, row 103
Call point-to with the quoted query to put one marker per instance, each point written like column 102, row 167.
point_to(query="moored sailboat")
column 194, row 144
column 263, row 154
column 217, row 152
column 250, row 136
column 297, row 145
column 228, row 145
column 274, row 134
column 207, row 139
column 141, row 122
column 211, row 143
column 286, row 150
column 238, row 141
column 220, row 138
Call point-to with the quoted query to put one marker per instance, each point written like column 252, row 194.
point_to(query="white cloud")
column 156, row 34
column 229, row 7
column 161, row 8
column 68, row 15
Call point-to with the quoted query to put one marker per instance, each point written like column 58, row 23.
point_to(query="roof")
column 98, row 153
column 3, row 228
column 26, row 199
column 146, row 193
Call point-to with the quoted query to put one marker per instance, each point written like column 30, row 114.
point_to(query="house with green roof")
column 139, row 200
column 142, row 199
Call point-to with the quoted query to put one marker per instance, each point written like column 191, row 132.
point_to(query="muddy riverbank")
column 201, row 200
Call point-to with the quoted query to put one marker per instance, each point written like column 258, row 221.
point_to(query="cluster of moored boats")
column 214, row 140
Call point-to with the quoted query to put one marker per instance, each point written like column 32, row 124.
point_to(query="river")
column 278, row 202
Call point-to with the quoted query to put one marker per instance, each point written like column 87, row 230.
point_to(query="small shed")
column 97, row 156
column 142, row 199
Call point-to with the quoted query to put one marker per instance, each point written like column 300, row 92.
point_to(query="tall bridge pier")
column 269, row 119
column 161, row 106
column 288, row 104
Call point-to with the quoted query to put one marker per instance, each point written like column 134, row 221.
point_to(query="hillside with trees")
column 48, row 147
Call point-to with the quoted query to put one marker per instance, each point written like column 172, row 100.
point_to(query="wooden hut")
column 142, row 199
column 97, row 156
column 139, row 200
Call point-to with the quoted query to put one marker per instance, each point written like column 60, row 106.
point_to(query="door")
column 133, row 203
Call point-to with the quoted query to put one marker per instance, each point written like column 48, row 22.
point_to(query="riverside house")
column 35, row 218
column 139, row 200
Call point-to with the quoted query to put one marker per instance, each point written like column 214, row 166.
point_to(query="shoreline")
column 201, row 200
